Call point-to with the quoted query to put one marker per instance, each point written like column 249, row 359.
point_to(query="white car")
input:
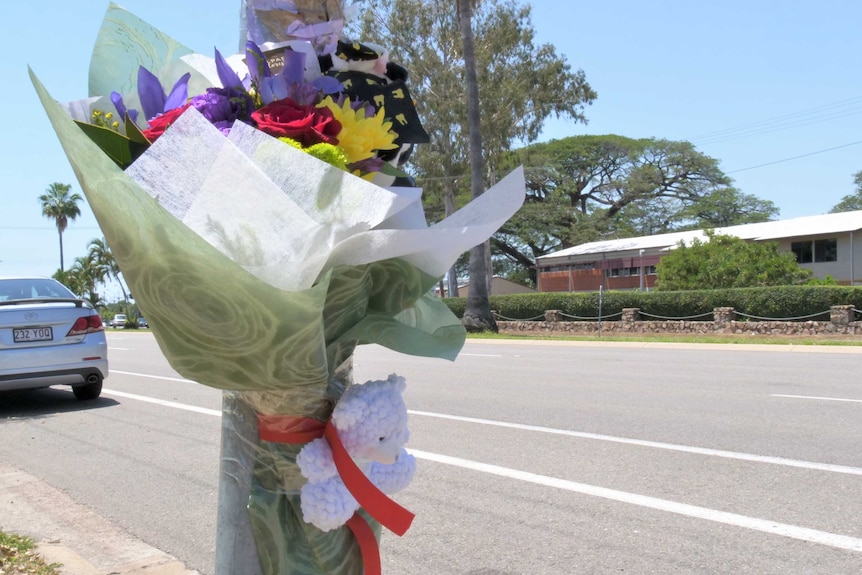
column 119, row 320
column 49, row 336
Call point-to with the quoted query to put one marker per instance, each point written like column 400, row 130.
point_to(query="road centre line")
column 801, row 464
column 773, row 527
column 817, row 398
column 782, row 529
column 655, row 444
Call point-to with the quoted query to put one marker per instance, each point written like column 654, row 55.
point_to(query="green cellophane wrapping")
column 265, row 281
column 221, row 326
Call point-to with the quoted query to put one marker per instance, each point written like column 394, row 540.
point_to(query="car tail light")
column 86, row 324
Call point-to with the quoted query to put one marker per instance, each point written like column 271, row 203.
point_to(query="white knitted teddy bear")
column 371, row 419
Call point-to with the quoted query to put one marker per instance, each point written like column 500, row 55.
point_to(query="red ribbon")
column 375, row 502
column 282, row 429
column 368, row 547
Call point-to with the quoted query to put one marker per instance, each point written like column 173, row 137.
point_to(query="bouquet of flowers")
column 246, row 207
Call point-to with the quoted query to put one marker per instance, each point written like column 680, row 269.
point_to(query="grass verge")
column 18, row 556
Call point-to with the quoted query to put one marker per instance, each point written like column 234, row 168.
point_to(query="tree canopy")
column 727, row 207
column 850, row 202
column 589, row 188
column 521, row 84
column 724, row 261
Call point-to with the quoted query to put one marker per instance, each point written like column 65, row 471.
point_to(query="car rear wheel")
column 88, row 391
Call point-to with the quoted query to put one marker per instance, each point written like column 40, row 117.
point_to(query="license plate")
column 32, row 334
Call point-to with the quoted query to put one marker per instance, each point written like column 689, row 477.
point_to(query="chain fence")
column 827, row 312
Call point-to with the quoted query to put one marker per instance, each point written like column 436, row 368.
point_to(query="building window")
column 803, row 252
column 826, row 250
column 629, row 272
column 815, row 251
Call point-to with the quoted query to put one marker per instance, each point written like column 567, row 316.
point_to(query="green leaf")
column 122, row 150
column 134, row 133
column 390, row 170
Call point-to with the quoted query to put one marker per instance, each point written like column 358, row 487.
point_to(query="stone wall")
column 724, row 322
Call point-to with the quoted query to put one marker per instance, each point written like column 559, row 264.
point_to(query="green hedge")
column 784, row 302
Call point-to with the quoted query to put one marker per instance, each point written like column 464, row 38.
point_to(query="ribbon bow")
column 295, row 430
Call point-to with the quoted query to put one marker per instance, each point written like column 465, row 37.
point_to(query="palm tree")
column 86, row 275
column 477, row 312
column 100, row 254
column 62, row 207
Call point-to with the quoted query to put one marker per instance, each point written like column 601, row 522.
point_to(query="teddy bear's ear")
column 399, row 382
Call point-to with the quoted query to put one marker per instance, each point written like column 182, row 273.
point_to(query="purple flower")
column 222, row 106
column 290, row 82
column 154, row 100
column 117, row 99
column 228, row 78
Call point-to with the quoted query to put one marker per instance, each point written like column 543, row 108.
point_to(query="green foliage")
column 827, row 281
column 588, row 188
column 724, row 261
column 851, row 202
column 728, row 207
column 521, row 83
column 101, row 256
column 122, row 149
column 18, row 555
column 780, row 303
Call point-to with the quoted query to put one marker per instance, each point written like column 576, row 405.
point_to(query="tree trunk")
column 452, row 276
column 60, row 233
column 477, row 313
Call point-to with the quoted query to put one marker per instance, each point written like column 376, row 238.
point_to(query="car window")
column 32, row 288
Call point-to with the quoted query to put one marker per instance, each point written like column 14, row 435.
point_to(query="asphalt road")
column 534, row 458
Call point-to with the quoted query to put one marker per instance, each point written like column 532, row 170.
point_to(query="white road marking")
column 773, row 527
column 162, row 402
column 813, row 465
column 655, row 444
column 480, row 355
column 152, row 376
column 764, row 525
column 817, row 398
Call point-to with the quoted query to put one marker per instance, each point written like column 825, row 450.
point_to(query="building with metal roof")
column 828, row 245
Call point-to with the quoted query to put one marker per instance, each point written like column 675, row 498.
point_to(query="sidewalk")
column 74, row 535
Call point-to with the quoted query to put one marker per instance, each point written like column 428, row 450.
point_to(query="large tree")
column 520, row 83
column 62, row 207
column 477, row 311
column 588, row 188
column 851, row 202
column 723, row 261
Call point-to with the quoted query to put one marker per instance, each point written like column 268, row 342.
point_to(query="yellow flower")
column 360, row 137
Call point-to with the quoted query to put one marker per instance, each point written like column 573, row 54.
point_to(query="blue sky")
column 749, row 82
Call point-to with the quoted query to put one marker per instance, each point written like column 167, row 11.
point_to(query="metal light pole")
column 236, row 551
column 641, row 268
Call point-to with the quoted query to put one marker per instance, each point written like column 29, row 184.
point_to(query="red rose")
column 308, row 125
column 160, row 123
